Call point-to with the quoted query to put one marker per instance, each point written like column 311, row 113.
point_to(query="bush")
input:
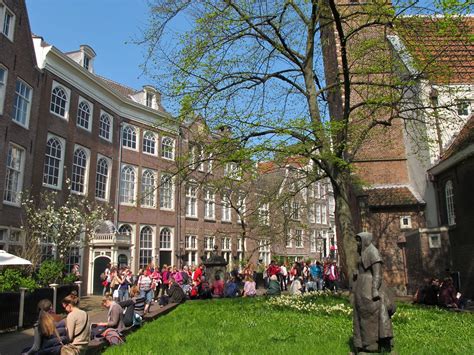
column 69, row 279
column 11, row 280
column 50, row 271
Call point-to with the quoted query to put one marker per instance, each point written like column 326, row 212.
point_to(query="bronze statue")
column 373, row 307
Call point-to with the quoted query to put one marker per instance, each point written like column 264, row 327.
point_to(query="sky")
column 108, row 26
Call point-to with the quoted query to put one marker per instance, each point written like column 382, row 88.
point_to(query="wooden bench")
column 96, row 346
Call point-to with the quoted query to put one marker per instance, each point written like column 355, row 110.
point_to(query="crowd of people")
column 440, row 293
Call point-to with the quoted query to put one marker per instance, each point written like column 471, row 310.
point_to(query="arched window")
column 167, row 148
column 59, row 101
column 129, row 137
column 146, row 246
column 449, row 195
column 125, row 229
column 149, row 143
column 52, row 162
column 166, row 192
column 127, row 185
column 148, row 188
column 105, row 126
column 165, row 239
column 84, row 115
column 102, row 177
column 79, row 165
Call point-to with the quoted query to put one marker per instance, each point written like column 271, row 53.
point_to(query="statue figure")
column 373, row 307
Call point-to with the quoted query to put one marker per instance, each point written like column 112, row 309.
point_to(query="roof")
column 391, row 196
column 442, row 48
column 463, row 140
column 265, row 167
column 119, row 89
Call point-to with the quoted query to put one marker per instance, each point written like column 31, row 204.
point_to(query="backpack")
column 112, row 336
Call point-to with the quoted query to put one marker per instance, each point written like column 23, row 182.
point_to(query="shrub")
column 11, row 280
column 69, row 279
column 50, row 271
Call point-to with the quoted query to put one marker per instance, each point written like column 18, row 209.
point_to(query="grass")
column 308, row 325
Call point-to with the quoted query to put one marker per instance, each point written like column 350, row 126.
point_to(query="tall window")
column 210, row 161
column 324, row 215
column 53, row 162
column 318, row 214
column 167, row 148
column 295, row 210
column 165, row 239
column 449, row 195
column 14, row 174
column 127, row 185
column 149, row 99
column 149, row 143
column 102, row 177
column 129, row 137
column 313, row 241
column 8, row 22
column 3, row 84
column 232, row 170
column 148, row 188
column 190, row 242
column 59, row 100
column 146, row 247
column 84, row 114
column 264, row 251
column 209, row 243
column 125, row 229
column 166, row 192
column 226, row 243
column 299, row 238
column 105, row 127
column 191, row 200
column 226, row 212
column 264, row 214
column 22, row 103
column 311, row 214
column 191, row 249
column 79, row 167
column 209, row 204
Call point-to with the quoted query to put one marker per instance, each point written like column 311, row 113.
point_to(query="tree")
column 61, row 224
column 314, row 79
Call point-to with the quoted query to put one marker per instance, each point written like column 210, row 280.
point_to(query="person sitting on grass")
column 77, row 325
column 296, row 287
column 218, row 287
column 205, row 291
column 273, row 287
column 231, row 289
column 49, row 332
column 249, row 287
column 449, row 297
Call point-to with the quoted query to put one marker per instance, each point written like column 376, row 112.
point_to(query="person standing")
column 283, row 277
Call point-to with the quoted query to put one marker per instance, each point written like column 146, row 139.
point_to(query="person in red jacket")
column 198, row 273
column 273, row 269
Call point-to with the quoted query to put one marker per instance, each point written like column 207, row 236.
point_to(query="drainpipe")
column 117, row 195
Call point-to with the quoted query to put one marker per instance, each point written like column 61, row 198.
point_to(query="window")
column 79, row 171
column 105, row 127
column 166, row 192
column 14, row 174
column 149, row 143
column 232, row 170
column 53, row 162
column 209, row 243
column 190, row 242
column 241, row 208
column 435, row 241
column 7, row 22
column 449, row 195
column 191, row 200
column 313, row 242
column 146, row 247
column 22, row 103
column 3, row 84
column 73, row 257
column 289, row 242
column 209, row 204
column 311, row 215
column 405, row 222
column 59, row 100
column 149, row 99
column 264, row 251
column 165, row 239
column 196, row 158
column 226, row 212
column 323, row 190
column 127, row 185
column 299, row 238
column 226, row 243
column 295, row 210
column 318, row 214
column 86, row 62
column 167, row 148
column 317, row 190
column 125, row 229
column 264, row 214
column 84, row 114
column 148, row 188
column 324, row 215
column 463, row 108
column 129, row 137
column 102, row 178
column 209, row 163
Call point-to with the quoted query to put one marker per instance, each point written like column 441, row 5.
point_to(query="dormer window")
column 86, row 62
column 149, row 99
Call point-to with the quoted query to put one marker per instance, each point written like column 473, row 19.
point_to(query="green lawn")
column 309, row 325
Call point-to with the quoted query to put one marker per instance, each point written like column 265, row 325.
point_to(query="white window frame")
column 405, row 222
column 172, row 192
column 148, row 248
column 318, row 213
column 153, row 195
column 434, row 241
column 155, row 146
column 232, row 170
column 28, row 100
column 226, row 244
column 449, row 198
column 4, row 10
column 324, row 214
column 295, row 210
column 171, row 244
column 137, row 137
column 67, row 91
column 241, row 207
column 209, row 204
column 135, row 170
column 313, row 242
column 191, row 199
column 264, row 214
column 86, row 169
column 109, row 171
column 91, row 114
column 226, row 207
column 463, row 108
column 311, row 213
column 165, row 153
column 209, row 242
column 20, row 172
column 264, row 252
column 3, row 87
column 191, row 242
column 299, row 242
column 62, row 141
column 111, row 130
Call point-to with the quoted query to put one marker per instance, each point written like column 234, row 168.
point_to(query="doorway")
column 100, row 264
